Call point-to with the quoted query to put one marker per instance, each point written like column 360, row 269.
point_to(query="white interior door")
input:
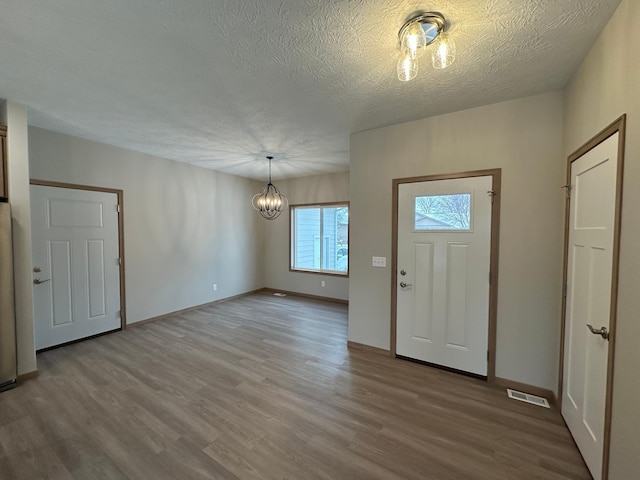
column 589, row 280
column 444, row 251
column 75, row 258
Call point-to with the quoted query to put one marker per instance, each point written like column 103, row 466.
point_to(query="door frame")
column 618, row 126
column 120, row 195
column 496, row 175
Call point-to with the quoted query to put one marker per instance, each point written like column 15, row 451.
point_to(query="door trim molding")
column 120, row 194
column 618, row 126
column 496, row 173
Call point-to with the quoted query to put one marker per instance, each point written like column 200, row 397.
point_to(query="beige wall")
column 522, row 137
column 315, row 189
column 606, row 86
column 186, row 228
column 14, row 116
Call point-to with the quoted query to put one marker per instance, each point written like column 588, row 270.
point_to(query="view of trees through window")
column 443, row 212
column 320, row 238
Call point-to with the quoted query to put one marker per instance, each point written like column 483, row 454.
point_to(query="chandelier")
column 269, row 201
column 421, row 30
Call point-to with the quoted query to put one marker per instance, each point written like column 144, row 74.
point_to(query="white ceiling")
column 222, row 83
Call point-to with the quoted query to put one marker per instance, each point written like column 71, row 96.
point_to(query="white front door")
column 443, row 265
column 589, row 280
column 75, row 258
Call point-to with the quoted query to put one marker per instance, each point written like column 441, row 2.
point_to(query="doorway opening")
column 593, row 211
column 445, row 270
column 78, row 269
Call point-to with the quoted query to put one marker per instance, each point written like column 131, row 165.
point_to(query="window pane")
column 308, row 238
column 443, row 212
column 320, row 238
column 342, row 239
column 330, row 237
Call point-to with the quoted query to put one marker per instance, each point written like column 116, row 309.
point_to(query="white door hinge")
column 567, row 190
column 119, row 261
column 118, row 208
column 492, row 194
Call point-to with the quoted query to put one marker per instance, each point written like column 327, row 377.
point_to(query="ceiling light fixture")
column 269, row 201
column 420, row 30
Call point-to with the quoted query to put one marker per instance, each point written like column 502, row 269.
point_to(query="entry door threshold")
column 443, row 367
column 53, row 347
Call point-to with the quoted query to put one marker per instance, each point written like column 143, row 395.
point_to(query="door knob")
column 602, row 331
column 37, row 281
column 405, row 284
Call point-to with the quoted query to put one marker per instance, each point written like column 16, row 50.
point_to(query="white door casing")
column 76, row 248
column 442, row 315
column 589, row 288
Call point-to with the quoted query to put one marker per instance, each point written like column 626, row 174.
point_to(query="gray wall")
column 186, row 228
column 332, row 187
column 524, row 138
column 14, row 115
column 606, row 86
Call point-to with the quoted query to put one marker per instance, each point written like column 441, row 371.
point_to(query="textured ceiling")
column 222, row 83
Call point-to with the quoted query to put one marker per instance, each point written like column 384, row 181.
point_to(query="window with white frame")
column 320, row 238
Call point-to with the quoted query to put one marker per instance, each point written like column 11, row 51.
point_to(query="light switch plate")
column 379, row 261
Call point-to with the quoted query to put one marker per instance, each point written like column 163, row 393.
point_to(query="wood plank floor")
column 264, row 388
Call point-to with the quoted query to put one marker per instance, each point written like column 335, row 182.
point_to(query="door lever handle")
column 602, row 331
column 404, row 284
column 37, row 281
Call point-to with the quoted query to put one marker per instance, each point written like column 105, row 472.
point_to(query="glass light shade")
column 270, row 202
column 407, row 67
column 443, row 51
column 414, row 40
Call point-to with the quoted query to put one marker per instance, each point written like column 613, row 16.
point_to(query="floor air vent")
column 525, row 397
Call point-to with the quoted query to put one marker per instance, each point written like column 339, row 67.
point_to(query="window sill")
column 331, row 273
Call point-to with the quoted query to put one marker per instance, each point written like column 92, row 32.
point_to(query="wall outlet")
column 322, row 284
column 215, row 287
column 379, row 261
